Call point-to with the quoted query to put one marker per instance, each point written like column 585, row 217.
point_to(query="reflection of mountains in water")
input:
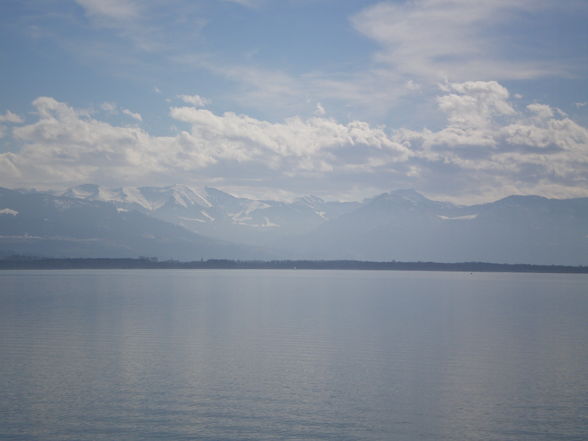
column 192, row 223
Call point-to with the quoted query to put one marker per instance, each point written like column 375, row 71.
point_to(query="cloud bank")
column 488, row 148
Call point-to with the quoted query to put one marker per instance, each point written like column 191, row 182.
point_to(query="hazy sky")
column 460, row 99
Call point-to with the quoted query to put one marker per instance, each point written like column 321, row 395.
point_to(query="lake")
column 292, row 355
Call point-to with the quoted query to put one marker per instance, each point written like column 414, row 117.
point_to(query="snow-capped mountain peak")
column 310, row 201
column 409, row 194
column 148, row 198
column 401, row 225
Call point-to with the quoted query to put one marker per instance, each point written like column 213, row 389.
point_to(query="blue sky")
column 459, row 99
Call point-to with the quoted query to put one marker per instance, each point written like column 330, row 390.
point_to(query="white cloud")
column 498, row 149
column 110, row 9
column 474, row 103
column 149, row 25
column 109, row 107
column 488, row 148
column 421, row 42
column 66, row 146
column 412, row 85
column 434, row 39
column 309, row 142
column 542, row 111
column 113, row 109
column 10, row 117
column 319, row 110
column 277, row 92
column 195, row 100
column 9, row 211
column 248, row 3
column 133, row 115
column 565, row 135
column 418, row 43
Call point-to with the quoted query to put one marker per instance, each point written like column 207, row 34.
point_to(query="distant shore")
column 23, row 262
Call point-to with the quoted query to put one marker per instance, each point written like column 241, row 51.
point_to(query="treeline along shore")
column 26, row 262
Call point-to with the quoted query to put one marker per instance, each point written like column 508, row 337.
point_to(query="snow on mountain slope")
column 215, row 213
column 400, row 225
column 149, row 198
column 49, row 225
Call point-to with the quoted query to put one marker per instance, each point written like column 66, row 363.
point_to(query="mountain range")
column 183, row 222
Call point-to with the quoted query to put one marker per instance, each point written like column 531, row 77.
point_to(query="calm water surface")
column 292, row 355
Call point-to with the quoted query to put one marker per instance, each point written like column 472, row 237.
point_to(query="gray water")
column 292, row 355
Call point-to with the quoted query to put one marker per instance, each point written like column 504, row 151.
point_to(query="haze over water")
column 292, row 355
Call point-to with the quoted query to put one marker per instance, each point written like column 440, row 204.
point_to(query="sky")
column 461, row 100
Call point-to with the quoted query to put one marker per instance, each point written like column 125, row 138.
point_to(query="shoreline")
column 152, row 263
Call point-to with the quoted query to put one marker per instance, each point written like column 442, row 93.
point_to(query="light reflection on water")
column 292, row 355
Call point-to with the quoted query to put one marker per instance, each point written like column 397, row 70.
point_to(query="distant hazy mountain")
column 214, row 213
column 48, row 225
column 404, row 225
column 400, row 225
